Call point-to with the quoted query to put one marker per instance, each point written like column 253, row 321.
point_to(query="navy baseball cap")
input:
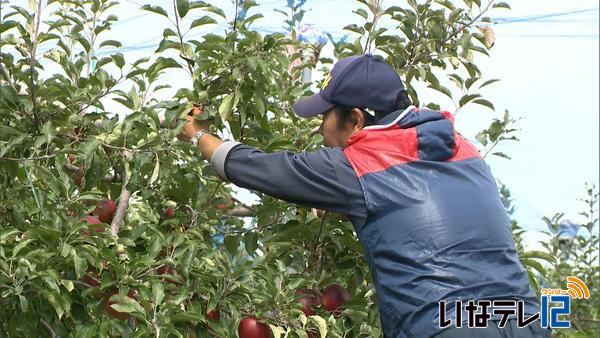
column 360, row 81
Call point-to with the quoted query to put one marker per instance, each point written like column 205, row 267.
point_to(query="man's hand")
column 193, row 125
column 207, row 144
column 320, row 213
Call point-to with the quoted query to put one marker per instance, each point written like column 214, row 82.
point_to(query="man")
column 424, row 205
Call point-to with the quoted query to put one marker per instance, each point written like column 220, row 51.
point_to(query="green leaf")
column 89, row 146
column 13, row 142
column 216, row 10
column 484, row 102
column 66, row 249
column 51, row 282
column 251, row 242
column 226, row 107
column 205, row 20
column 158, row 292
column 167, row 44
column 23, row 303
column 155, row 172
column 118, row 59
column 183, row 6
column 231, row 244
column 84, row 43
column 126, row 304
column 321, row 324
column 442, row 89
column 488, row 82
column 80, row 265
column 362, row 13
column 354, row 28
column 538, row 254
column 501, row 5
column 254, row 17
column 21, row 246
column 155, row 9
column 277, row 331
column 113, row 43
column 67, row 284
column 501, row 154
column 7, row 232
column 6, row 25
column 527, row 262
column 52, row 298
column 467, row 98
column 187, row 316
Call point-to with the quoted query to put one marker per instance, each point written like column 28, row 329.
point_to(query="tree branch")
column 462, row 28
column 32, row 62
column 44, row 157
column 99, row 96
column 49, row 328
column 181, row 37
column 241, row 212
column 122, row 204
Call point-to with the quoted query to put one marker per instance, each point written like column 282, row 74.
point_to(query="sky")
column 545, row 54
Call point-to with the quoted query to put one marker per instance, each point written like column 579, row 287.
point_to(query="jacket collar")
column 390, row 119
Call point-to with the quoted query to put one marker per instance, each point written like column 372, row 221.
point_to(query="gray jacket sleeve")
column 321, row 179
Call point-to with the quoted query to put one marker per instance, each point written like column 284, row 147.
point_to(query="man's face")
column 333, row 136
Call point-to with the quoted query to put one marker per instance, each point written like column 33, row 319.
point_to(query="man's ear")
column 357, row 118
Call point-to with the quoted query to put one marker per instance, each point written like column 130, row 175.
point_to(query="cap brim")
column 312, row 106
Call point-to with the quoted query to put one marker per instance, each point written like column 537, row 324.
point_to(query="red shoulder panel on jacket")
column 377, row 150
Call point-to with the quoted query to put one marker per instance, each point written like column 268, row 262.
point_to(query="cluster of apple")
column 165, row 273
column 332, row 299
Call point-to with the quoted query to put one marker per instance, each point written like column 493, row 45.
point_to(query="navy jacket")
column 424, row 205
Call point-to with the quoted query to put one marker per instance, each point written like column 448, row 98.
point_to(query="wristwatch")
column 197, row 136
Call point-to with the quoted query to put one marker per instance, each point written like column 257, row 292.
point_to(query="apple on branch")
column 251, row 327
column 105, row 210
column 334, row 297
column 309, row 300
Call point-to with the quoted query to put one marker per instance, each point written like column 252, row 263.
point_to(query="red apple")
column 114, row 313
column 311, row 299
column 226, row 205
column 91, row 278
column 169, row 212
column 105, row 209
column 334, row 297
column 166, row 270
column 214, row 314
column 71, row 158
column 78, row 176
column 91, row 220
column 250, row 327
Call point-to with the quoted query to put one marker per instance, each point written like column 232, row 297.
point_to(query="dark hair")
column 344, row 114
